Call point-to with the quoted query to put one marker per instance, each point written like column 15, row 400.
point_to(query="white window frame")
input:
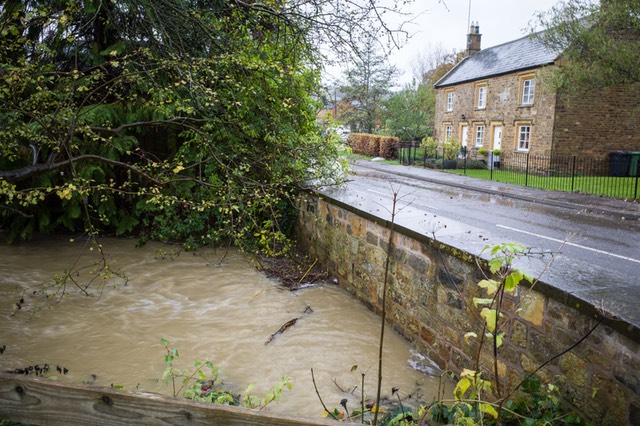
column 448, row 132
column 479, row 135
column 449, row 101
column 524, row 137
column 528, row 91
column 482, row 97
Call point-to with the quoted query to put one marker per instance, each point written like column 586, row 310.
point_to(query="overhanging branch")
column 26, row 172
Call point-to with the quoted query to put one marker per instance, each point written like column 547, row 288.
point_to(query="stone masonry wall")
column 430, row 291
column 599, row 122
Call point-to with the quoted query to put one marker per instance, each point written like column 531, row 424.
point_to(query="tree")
column 433, row 63
column 599, row 42
column 170, row 119
column 409, row 113
column 368, row 83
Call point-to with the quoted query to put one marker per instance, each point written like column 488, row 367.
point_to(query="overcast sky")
column 446, row 23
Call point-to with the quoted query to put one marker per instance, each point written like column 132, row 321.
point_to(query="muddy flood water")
column 211, row 305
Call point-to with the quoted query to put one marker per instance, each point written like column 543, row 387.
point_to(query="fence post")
column 526, row 172
column 573, row 174
column 491, row 165
column 415, row 152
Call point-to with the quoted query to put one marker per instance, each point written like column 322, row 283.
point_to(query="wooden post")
column 42, row 401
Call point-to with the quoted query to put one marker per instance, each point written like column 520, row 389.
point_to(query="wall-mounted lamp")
column 463, row 117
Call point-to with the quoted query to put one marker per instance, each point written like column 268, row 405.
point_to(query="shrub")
column 450, row 149
column 388, row 147
column 373, row 145
column 430, row 146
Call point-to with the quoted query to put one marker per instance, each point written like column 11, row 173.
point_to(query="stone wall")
column 430, row 293
column 596, row 123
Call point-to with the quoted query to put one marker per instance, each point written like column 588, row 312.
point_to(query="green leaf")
column 73, row 210
column 481, row 301
column 512, row 280
column 126, row 224
column 495, row 264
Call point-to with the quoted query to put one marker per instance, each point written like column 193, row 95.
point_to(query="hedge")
column 373, row 145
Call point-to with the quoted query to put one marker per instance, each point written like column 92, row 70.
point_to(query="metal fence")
column 616, row 176
column 410, row 153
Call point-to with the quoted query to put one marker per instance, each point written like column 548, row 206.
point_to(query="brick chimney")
column 473, row 39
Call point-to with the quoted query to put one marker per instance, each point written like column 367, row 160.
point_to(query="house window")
column 524, row 137
column 449, row 101
column 479, row 135
column 528, row 89
column 448, row 132
column 481, row 95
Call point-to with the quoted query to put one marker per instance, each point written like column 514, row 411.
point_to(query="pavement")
column 591, row 203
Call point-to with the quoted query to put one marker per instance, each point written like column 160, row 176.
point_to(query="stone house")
column 498, row 98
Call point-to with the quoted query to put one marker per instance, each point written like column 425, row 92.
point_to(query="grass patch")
column 609, row 186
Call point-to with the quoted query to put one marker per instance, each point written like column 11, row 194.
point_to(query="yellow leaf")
column 461, row 388
column 466, row 372
column 490, row 285
column 487, row 408
column 469, row 335
column 490, row 317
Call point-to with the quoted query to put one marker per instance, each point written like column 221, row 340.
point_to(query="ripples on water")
column 220, row 313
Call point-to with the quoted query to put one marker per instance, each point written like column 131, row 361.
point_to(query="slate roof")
column 523, row 53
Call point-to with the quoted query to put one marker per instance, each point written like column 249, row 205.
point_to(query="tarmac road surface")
column 594, row 242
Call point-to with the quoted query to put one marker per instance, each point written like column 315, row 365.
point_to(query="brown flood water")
column 219, row 312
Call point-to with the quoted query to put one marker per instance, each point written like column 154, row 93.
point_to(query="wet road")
column 595, row 253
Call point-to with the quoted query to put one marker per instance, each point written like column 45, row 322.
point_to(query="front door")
column 497, row 137
column 494, row 160
column 465, row 131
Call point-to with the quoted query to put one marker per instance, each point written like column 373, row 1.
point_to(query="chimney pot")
column 473, row 38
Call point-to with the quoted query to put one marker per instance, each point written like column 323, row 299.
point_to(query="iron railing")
column 617, row 175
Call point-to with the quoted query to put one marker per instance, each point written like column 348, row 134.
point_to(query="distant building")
column 497, row 98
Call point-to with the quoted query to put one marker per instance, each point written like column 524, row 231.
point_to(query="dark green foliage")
column 367, row 85
column 162, row 119
column 409, row 113
column 599, row 43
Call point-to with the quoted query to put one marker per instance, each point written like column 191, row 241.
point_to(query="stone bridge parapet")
column 431, row 287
